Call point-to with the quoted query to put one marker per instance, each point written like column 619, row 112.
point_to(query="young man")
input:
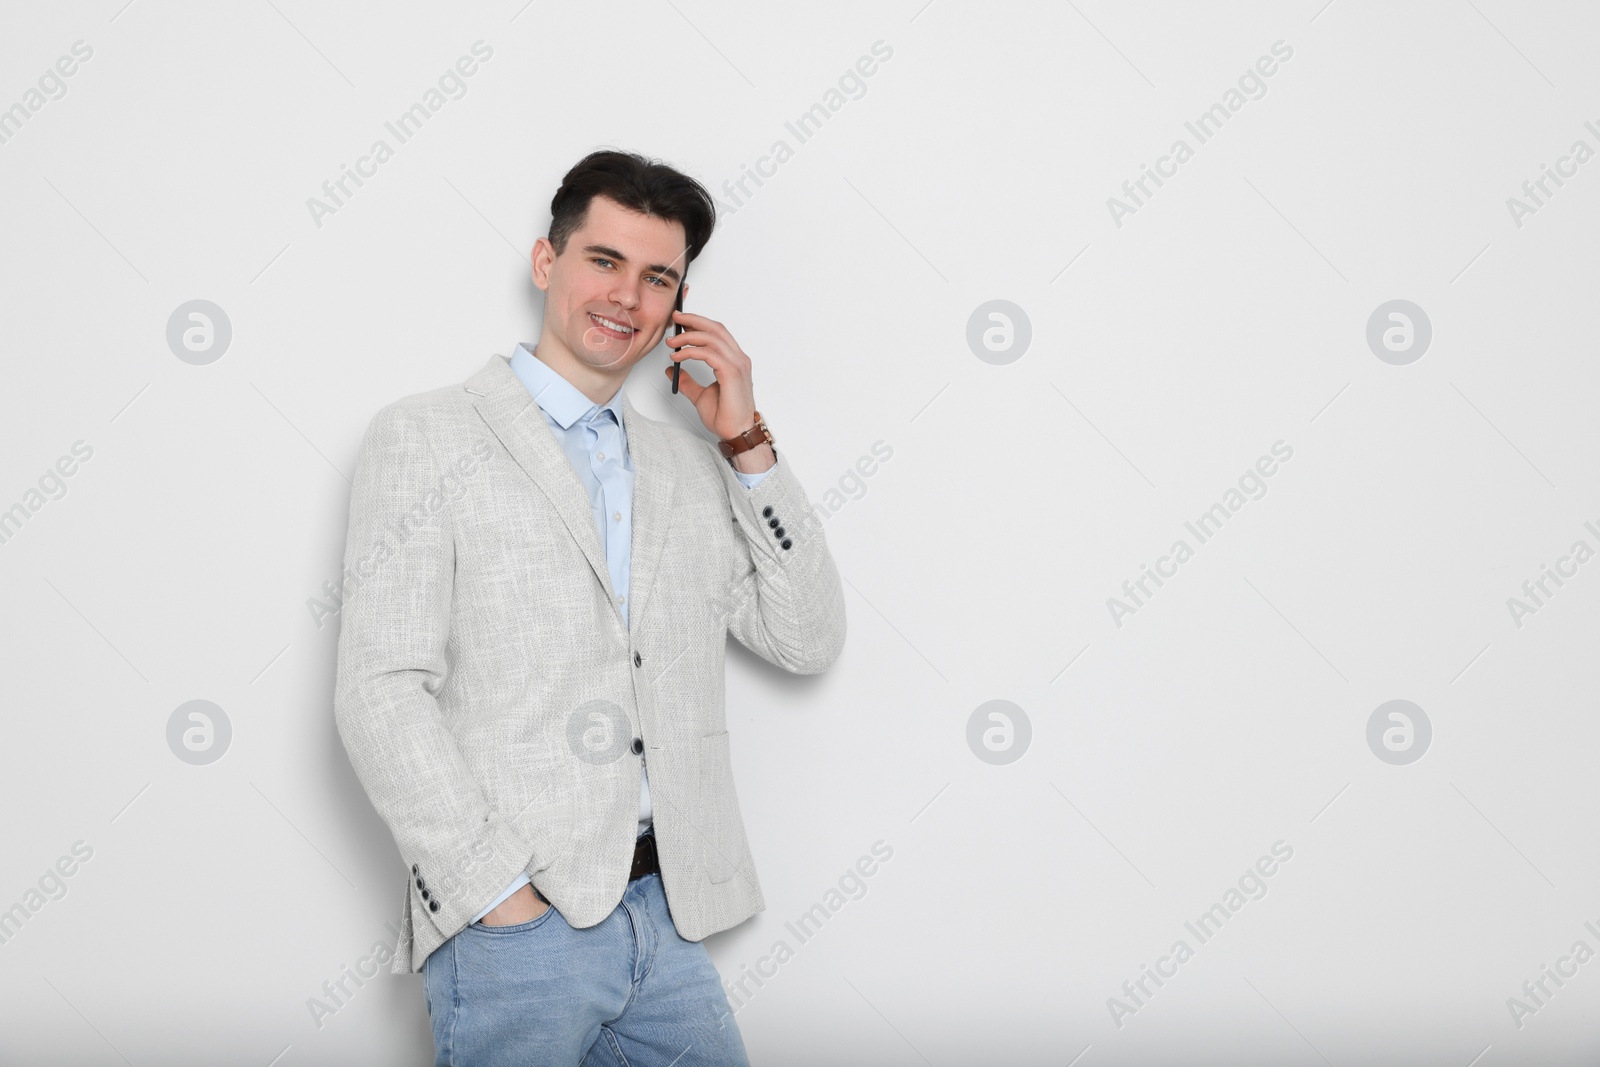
column 530, row 673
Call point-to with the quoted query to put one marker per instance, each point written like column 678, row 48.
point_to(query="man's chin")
column 605, row 357
column 598, row 350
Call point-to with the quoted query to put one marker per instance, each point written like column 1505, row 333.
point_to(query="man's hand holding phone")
column 727, row 406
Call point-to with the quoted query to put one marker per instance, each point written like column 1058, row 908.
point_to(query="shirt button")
column 620, row 599
column 616, row 516
column 599, row 455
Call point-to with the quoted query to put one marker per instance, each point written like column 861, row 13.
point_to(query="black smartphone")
column 677, row 328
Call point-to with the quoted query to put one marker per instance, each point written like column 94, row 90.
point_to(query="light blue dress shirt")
column 592, row 437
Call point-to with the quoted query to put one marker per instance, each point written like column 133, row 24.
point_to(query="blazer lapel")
column 515, row 418
column 654, row 478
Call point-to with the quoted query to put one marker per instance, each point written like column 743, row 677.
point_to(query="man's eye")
column 658, row 281
column 602, row 261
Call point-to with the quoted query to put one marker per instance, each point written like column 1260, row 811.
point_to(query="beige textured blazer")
column 492, row 700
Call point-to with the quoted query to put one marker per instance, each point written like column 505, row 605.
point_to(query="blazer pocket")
column 721, row 847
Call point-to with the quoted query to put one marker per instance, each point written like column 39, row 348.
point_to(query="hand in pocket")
column 520, row 907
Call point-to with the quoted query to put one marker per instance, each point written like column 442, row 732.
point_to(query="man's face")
column 609, row 295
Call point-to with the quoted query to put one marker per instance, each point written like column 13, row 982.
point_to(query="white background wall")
column 1165, row 755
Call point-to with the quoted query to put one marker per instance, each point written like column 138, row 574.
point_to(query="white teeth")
column 608, row 324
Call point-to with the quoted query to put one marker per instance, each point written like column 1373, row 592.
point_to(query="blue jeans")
column 626, row 992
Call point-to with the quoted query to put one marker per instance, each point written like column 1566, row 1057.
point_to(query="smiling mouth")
column 610, row 327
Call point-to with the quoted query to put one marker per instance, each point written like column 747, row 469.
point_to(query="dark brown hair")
column 638, row 184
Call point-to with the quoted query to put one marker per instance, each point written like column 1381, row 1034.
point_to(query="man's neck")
column 592, row 382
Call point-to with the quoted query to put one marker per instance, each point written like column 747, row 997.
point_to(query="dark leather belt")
column 644, row 856
column 644, row 860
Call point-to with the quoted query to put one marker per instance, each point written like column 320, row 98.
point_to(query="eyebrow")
column 655, row 268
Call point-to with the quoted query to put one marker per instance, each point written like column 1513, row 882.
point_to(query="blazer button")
column 766, row 512
column 425, row 894
column 638, row 746
column 637, row 659
column 772, row 522
column 433, row 905
column 778, row 532
column 413, row 870
column 787, row 543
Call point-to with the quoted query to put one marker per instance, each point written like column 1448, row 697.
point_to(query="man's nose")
column 626, row 295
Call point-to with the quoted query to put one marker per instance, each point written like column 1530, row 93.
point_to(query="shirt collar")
column 559, row 398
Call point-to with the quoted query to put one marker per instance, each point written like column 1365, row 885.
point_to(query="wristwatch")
column 752, row 437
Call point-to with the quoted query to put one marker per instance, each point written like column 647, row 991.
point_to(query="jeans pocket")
column 514, row 928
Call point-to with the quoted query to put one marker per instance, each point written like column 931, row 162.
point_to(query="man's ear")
column 544, row 254
column 686, row 290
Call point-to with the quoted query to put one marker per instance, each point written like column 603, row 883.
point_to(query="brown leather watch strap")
column 755, row 435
